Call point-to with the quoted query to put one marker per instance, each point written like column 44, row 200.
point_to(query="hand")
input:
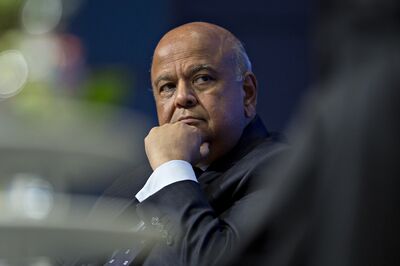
column 177, row 141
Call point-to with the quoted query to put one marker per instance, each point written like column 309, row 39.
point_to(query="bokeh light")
column 41, row 16
column 42, row 54
column 30, row 196
column 13, row 73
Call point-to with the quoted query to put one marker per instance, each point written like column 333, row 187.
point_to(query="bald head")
column 207, row 34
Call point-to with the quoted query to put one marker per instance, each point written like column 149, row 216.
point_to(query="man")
column 205, row 94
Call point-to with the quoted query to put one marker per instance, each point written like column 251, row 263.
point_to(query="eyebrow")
column 197, row 68
column 162, row 77
column 190, row 72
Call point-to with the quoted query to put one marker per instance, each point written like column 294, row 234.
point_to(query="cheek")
column 164, row 113
column 228, row 104
column 223, row 113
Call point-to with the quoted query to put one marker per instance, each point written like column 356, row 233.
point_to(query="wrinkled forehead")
column 190, row 43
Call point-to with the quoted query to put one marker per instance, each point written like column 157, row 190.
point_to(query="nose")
column 185, row 96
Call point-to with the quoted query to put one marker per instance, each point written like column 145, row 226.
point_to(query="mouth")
column 190, row 120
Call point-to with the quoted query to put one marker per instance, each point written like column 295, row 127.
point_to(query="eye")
column 202, row 80
column 167, row 89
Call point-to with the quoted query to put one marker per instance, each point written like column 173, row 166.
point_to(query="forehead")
column 186, row 50
column 184, row 41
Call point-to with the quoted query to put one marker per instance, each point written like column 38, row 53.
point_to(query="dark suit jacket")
column 201, row 223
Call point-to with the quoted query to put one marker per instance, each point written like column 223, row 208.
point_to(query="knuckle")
column 154, row 129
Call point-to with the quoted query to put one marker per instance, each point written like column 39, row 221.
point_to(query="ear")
column 250, row 94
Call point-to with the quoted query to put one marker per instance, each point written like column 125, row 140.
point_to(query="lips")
column 190, row 120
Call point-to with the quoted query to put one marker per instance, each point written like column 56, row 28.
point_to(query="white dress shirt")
column 164, row 175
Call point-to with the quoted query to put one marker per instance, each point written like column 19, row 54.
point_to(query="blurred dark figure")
column 335, row 199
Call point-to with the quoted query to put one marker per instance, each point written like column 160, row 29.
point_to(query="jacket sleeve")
column 191, row 229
